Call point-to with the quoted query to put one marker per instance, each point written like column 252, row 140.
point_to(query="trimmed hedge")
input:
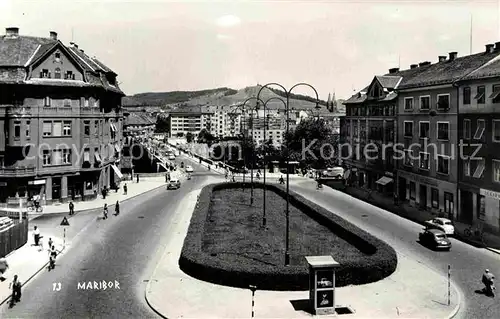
column 379, row 260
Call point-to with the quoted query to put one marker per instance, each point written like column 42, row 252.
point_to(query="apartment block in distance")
column 189, row 120
column 428, row 128
column 60, row 120
column 479, row 131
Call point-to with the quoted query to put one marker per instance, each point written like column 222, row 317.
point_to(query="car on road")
column 443, row 224
column 174, row 184
column 434, row 238
column 189, row 169
column 171, row 157
column 333, row 172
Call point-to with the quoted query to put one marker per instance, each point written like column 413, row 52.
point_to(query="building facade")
column 60, row 120
column 479, row 132
column 189, row 120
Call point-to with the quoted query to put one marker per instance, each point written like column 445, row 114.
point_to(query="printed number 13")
column 56, row 286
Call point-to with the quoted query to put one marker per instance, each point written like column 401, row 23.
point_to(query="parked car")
column 174, row 184
column 171, row 157
column 334, row 172
column 434, row 238
column 189, row 169
column 443, row 224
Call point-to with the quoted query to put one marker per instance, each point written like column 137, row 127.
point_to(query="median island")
column 227, row 244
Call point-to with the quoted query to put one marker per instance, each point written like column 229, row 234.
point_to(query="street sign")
column 65, row 222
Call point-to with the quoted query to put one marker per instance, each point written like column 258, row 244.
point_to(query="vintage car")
column 174, row 184
column 434, row 238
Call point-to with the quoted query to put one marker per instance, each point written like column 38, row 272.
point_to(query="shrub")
column 378, row 261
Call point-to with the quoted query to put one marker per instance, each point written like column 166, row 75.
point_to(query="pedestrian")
column 137, row 176
column 51, row 243
column 166, row 178
column 71, row 208
column 15, row 285
column 36, row 235
column 103, row 193
column 117, row 208
column 105, row 211
column 36, row 202
column 125, row 189
column 3, row 268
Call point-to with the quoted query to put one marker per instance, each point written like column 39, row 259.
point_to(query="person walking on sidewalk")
column 125, row 188
column 105, row 211
column 36, row 234
column 137, row 177
column 71, row 208
column 15, row 285
column 117, row 208
column 51, row 243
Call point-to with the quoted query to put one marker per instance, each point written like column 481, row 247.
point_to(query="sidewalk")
column 133, row 189
column 413, row 291
column 26, row 262
column 490, row 241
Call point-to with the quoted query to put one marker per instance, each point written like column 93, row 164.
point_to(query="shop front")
column 489, row 210
column 429, row 194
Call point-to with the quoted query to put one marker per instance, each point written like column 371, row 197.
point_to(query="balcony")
column 17, row 171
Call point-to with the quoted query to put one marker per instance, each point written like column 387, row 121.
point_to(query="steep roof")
column 136, row 119
column 18, row 50
column 488, row 70
column 445, row 72
column 388, row 81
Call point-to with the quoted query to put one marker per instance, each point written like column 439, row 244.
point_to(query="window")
column 443, row 102
column 45, row 73
column 466, row 167
column 67, row 102
column 496, row 171
column 479, row 130
column 69, row 75
column 47, row 101
column 58, row 56
column 57, row 128
column 28, row 133
column 96, row 128
column 56, row 157
column 96, row 103
column 425, row 102
column 46, row 157
column 86, row 155
column 408, row 103
column 86, row 102
column 424, row 129
column 443, row 131
column 47, row 128
column 435, row 198
column 480, row 96
column 424, row 160
column 412, row 190
column 478, row 172
column 495, row 96
column 496, row 130
column 466, row 95
column 86, row 128
column 67, row 128
column 17, row 129
column 408, row 158
column 467, row 130
column 408, row 129
column 66, row 156
column 57, row 73
column 443, row 164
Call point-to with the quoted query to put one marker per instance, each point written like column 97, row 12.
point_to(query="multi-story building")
column 479, row 157
column 427, row 127
column 138, row 123
column 189, row 120
column 60, row 120
column 371, row 120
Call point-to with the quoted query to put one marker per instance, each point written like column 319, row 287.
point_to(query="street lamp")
column 287, row 106
column 266, row 122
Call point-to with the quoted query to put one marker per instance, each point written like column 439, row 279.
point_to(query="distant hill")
column 221, row 97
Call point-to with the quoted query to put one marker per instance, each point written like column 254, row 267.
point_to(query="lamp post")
column 266, row 122
column 287, row 106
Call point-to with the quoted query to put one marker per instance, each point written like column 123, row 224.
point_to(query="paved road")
column 124, row 249
column 467, row 262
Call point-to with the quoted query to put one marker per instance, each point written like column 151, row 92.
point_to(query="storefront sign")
column 489, row 193
column 37, row 182
column 419, row 179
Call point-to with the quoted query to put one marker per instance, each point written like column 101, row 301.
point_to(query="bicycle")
column 473, row 232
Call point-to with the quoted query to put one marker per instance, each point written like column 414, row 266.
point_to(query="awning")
column 97, row 157
column 117, row 148
column 495, row 93
column 117, row 171
column 384, row 180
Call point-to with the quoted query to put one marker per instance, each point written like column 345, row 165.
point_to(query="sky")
column 335, row 46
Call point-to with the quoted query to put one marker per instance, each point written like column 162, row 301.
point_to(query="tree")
column 162, row 125
column 312, row 143
column 189, row 137
column 205, row 137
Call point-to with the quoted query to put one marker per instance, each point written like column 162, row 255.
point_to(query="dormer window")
column 69, row 75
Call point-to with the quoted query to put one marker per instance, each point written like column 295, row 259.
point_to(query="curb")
column 32, row 276
column 459, row 302
column 153, row 308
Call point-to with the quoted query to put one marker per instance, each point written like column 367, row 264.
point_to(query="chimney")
column 421, row 64
column 489, row 48
column 497, row 46
column 453, row 55
column 11, row 32
column 81, row 50
column 53, row 35
column 73, row 45
column 442, row 58
column 393, row 70
column 413, row 66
